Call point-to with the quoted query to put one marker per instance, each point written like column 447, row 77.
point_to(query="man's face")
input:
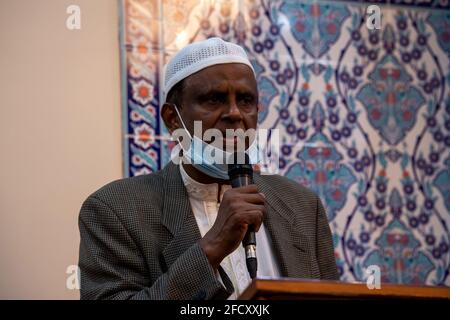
column 223, row 96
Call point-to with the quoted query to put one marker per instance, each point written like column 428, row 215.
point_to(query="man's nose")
column 233, row 113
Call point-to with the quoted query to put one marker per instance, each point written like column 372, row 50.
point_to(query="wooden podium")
column 299, row 289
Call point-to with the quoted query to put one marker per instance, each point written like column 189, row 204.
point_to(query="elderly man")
column 177, row 233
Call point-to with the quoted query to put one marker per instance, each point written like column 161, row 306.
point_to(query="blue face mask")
column 207, row 165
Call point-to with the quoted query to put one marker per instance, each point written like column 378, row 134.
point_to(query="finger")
column 255, row 219
column 254, row 198
column 252, row 216
column 251, row 188
column 243, row 210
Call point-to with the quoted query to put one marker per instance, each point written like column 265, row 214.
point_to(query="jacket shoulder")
column 121, row 192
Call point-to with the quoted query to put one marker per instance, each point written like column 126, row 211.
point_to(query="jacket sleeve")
column 112, row 266
column 324, row 246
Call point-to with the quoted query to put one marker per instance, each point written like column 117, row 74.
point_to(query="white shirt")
column 203, row 199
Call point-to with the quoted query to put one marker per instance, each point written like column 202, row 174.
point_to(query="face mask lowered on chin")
column 208, row 166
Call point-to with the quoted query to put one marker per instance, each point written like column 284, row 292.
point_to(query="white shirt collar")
column 202, row 191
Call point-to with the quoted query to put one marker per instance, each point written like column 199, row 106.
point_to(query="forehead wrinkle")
column 218, row 78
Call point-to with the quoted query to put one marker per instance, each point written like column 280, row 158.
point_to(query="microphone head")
column 239, row 164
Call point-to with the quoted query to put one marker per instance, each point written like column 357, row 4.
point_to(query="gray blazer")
column 139, row 239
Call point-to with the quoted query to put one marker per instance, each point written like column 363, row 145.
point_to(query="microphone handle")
column 249, row 241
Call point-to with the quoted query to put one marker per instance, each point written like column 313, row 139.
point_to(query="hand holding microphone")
column 240, row 215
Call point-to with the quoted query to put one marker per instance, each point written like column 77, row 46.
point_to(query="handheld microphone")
column 241, row 174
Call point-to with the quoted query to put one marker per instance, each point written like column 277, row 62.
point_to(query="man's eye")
column 214, row 99
column 247, row 100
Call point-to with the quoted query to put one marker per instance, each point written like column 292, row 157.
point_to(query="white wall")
column 60, row 136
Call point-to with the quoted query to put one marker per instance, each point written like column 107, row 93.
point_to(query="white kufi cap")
column 199, row 55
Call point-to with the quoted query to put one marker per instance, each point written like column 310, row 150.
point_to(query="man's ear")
column 170, row 117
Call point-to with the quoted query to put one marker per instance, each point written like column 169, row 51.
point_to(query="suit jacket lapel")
column 177, row 215
column 290, row 245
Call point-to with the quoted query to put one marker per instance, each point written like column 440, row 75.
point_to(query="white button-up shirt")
column 203, row 199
